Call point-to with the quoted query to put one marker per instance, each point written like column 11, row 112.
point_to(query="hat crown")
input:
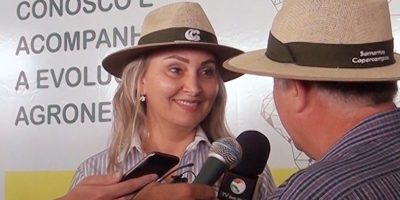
column 348, row 21
column 181, row 25
column 176, row 15
column 326, row 40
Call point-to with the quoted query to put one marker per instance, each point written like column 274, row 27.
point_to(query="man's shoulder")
column 333, row 178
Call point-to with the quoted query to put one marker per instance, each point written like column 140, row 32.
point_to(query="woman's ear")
column 141, row 86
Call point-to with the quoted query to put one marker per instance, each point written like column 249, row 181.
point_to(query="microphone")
column 224, row 154
column 241, row 181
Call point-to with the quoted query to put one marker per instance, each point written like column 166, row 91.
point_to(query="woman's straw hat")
column 326, row 40
column 182, row 24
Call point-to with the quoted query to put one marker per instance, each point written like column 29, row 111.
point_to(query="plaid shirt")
column 364, row 164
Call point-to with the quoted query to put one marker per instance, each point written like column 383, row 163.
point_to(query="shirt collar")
column 368, row 130
column 136, row 143
column 200, row 137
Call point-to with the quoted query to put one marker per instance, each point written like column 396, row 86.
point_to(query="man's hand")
column 176, row 191
column 106, row 187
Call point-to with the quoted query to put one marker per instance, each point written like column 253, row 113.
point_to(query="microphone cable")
column 178, row 178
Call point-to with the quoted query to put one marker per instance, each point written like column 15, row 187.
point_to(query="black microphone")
column 241, row 181
column 224, row 154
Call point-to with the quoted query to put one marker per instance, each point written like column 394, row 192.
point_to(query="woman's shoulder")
column 96, row 164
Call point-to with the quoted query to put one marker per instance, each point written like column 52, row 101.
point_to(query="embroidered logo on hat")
column 192, row 35
column 371, row 56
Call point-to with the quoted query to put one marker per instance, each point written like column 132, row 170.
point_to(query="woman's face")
column 180, row 86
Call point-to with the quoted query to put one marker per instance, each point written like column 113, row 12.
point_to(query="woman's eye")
column 175, row 70
column 210, row 71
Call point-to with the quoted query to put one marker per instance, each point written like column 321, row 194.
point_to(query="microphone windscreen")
column 255, row 152
column 228, row 150
column 224, row 154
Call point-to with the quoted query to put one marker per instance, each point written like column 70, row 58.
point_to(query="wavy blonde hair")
column 129, row 112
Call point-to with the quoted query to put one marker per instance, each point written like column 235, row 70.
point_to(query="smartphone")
column 154, row 163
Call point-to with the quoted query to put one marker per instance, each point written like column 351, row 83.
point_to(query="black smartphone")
column 154, row 163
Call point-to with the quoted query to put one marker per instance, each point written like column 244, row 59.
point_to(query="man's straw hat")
column 182, row 24
column 326, row 40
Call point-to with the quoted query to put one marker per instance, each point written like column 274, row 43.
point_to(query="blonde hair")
column 129, row 113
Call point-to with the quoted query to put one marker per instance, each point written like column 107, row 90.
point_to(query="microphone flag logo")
column 238, row 186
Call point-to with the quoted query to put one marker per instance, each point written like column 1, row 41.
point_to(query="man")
column 335, row 79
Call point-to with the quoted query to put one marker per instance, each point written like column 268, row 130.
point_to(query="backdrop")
column 55, row 97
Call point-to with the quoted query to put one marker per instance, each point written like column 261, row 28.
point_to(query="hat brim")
column 255, row 62
column 116, row 62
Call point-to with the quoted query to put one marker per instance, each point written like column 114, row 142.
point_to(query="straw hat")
column 179, row 24
column 326, row 40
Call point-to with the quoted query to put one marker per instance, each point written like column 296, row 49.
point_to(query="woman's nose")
column 192, row 85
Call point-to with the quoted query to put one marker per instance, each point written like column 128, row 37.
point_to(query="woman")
column 171, row 99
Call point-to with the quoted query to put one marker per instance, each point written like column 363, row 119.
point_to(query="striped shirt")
column 196, row 153
column 364, row 164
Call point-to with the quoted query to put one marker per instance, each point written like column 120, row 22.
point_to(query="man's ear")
column 300, row 91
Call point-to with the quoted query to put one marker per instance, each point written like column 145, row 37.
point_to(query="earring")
column 142, row 98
